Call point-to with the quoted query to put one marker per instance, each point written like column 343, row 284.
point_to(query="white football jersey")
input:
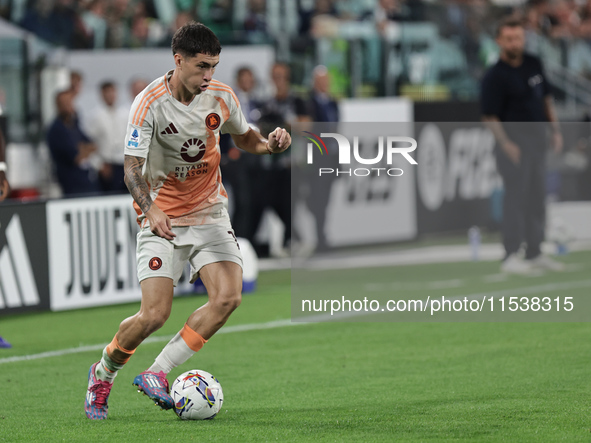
column 181, row 146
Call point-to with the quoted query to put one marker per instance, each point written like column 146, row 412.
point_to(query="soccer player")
column 172, row 171
column 516, row 90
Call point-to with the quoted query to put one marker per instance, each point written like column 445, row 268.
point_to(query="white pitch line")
column 157, row 339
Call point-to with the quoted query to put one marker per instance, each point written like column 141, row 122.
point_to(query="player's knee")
column 228, row 301
column 152, row 321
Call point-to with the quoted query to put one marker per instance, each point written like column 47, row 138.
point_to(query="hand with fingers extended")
column 279, row 141
column 160, row 223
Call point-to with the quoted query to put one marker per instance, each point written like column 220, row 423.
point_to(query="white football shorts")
column 198, row 245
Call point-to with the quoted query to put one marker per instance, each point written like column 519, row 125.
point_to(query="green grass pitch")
column 322, row 381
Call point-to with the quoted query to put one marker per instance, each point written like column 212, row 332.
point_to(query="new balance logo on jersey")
column 17, row 282
column 171, row 129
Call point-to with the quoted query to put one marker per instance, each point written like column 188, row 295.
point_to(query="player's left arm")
column 253, row 142
column 250, row 140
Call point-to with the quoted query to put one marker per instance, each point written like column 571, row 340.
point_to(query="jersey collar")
column 176, row 103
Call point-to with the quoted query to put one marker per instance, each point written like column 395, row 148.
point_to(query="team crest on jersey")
column 155, row 263
column 212, row 121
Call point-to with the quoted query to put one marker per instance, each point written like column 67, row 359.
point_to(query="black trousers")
column 524, row 205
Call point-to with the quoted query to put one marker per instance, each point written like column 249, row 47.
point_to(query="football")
column 197, row 395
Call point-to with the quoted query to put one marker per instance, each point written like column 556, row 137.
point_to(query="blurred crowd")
column 560, row 19
column 139, row 23
column 81, row 24
column 469, row 24
column 85, row 24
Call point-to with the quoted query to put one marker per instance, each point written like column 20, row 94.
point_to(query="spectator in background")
column 323, row 10
column 322, row 108
column 140, row 28
column 217, row 14
column 240, row 170
column 272, row 186
column 567, row 19
column 66, row 22
column 117, row 28
column 108, row 128
column 256, row 21
column 95, row 23
column 585, row 27
column 386, row 13
column 4, row 187
column 38, row 20
column 70, row 149
column 76, row 80
column 284, row 105
column 245, row 91
column 136, row 86
column 146, row 30
column 516, row 90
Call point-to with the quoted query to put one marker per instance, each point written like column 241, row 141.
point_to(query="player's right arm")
column 137, row 147
column 138, row 188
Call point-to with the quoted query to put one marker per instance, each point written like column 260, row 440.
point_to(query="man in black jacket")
column 515, row 90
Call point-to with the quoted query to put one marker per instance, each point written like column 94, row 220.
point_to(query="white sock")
column 175, row 353
column 106, row 370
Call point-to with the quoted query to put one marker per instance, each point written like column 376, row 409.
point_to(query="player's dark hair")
column 195, row 38
column 508, row 22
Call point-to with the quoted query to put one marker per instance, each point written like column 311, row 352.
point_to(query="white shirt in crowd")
column 107, row 128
